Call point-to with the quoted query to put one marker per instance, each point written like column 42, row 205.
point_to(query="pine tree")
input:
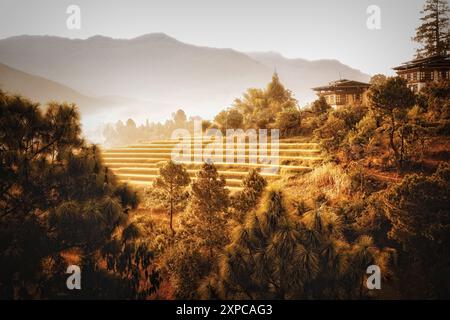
column 204, row 220
column 253, row 187
column 390, row 101
column 172, row 182
column 278, row 255
column 433, row 34
column 276, row 91
column 202, row 233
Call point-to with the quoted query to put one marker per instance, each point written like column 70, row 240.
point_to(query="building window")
column 422, row 75
column 432, row 75
column 447, row 75
column 331, row 99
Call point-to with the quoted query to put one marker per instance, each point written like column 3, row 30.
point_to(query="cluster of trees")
column 391, row 127
column 418, row 210
column 260, row 107
column 280, row 255
column 120, row 134
column 57, row 201
column 272, row 107
column 314, row 235
column 276, row 242
column 411, row 216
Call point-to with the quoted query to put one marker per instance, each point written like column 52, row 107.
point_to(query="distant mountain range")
column 40, row 89
column 155, row 67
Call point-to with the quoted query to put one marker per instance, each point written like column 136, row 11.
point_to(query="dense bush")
column 419, row 211
column 279, row 255
column 58, row 199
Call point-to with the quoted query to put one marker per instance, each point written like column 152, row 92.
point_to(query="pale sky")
column 313, row 29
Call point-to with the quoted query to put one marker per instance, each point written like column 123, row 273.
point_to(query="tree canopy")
column 434, row 32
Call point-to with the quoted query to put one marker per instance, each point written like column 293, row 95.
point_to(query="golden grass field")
column 139, row 164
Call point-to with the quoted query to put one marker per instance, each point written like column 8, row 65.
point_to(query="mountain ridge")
column 157, row 67
column 42, row 90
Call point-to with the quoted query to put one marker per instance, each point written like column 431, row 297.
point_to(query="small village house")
column 342, row 92
column 419, row 72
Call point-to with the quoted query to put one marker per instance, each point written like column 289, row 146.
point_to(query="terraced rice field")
column 139, row 164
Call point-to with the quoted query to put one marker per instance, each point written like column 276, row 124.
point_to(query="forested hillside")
column 378, row 194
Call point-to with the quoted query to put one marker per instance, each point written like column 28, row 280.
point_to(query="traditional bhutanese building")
column 342, row 92
column 419, row 72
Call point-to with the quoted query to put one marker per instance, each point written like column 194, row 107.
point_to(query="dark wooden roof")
column 343, row 84
column 430, row 62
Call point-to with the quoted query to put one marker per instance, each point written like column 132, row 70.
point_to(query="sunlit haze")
column 297, row 29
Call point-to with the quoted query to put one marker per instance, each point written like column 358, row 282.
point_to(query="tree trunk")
column 171, row 216
column 361, row 287
column 171, row 211
column 438, row 35
column 392, row 143
column 402, row 148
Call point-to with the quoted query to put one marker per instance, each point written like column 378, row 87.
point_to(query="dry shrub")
column 329, row 179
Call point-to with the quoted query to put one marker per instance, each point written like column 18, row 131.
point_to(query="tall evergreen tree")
column 277, row 92
column 204, row 220
column 391, row 101
column 433, row 33
column 253, row 187
column 202, row 234
column 172, row 182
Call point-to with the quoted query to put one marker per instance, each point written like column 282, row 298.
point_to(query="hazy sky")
column 311, row 29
